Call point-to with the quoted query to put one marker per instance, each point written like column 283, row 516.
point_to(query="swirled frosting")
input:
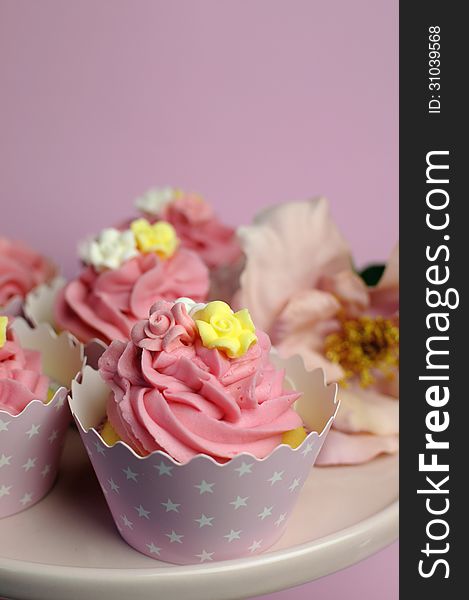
column 171, row 393
column 21, row 377
column 107, row 304
column 21, row 270
column 196, row 225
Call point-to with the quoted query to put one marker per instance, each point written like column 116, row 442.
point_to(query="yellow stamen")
column 363, row 346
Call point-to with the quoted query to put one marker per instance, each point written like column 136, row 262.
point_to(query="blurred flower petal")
column 349, row 449
column 366, row 410
column 288, row 249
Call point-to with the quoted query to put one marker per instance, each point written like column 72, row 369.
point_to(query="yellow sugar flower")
column 219, row 327
column 3, row 330
column 160, row 237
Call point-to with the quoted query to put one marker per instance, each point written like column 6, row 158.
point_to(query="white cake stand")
column 67, row 546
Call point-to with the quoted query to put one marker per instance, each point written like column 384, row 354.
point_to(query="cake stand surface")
column 67, row 546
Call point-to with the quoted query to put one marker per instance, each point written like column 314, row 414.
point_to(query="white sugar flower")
column 191, row 306
column 109, row 250
column 154, row 200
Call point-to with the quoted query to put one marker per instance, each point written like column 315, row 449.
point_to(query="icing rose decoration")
column 159, row 237
column 166, row 328
column 110, row 250
column 185, row 399
column 21, row 377
column 21, row 270
column 153, row 201
column 219, row 327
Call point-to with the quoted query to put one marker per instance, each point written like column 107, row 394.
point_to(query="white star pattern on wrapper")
column 255, row 546
column 113, row 486
column 233, row 535
column 130, row 474
column 174, row 537
column 204, row 521
column 45, row 471
column 142, row 513
column 99, row 448
column 244, row 468
column 200, row 510
column 60, row 403
column 5, row 490
column 280, row 519
column 171, row 506
column 29, row 464
column 277, row 476
column 4, row 461
column 53, row 436
column 205, row 556
column 164, row 469
column 127, row 523
column 26, row 499
column 153, row 549
column 205, row 487
column 307, row 450
column 267, row 512
column 4, row 425
column 294, row 485
column 239, row 502
column 34, row 430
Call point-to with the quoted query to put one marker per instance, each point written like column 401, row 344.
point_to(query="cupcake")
column 21, row 271
column 124, row 273
column 36, row 368
column 201, row 438
column 199, row 230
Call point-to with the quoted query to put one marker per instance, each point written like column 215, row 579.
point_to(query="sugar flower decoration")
column 154, row 200
column 3, row 330
column 219, row 327
column 191, row 305
column 159, row 237
column 300, row 286
column 110, row 250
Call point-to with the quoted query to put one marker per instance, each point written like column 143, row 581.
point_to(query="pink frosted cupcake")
column 21, row 271
column 199, row 230
column 125, row 273
column 36, row 369
column 201, row 384
column 197, row 434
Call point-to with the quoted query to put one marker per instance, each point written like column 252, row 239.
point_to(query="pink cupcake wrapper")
column 31, row 442
column 203, row 511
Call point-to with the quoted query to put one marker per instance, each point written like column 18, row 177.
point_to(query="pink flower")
column 167, row 327
column 299, row 285
column 21, row 270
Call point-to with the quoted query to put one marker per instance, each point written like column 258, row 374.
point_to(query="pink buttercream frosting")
column 107, row 304
column 200, row 230
column 171, row 393
column 21, row 270
column 21, row 377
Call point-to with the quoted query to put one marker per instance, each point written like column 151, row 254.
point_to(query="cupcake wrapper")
column 202, row 511
column 31, row 442
column 39, row 303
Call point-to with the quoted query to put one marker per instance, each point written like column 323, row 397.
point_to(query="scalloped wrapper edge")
column 200, row 511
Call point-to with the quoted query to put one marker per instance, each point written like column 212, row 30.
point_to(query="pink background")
column 248, row 103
